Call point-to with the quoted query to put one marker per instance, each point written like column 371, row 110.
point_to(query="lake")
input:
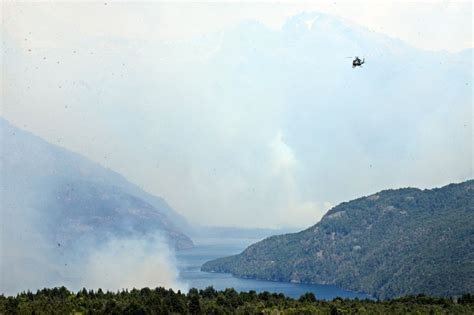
column 190, row 261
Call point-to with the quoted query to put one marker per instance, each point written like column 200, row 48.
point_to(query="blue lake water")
column 190, row 261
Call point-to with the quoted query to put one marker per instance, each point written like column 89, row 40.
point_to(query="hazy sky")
column 100, row 79
column 432, row 25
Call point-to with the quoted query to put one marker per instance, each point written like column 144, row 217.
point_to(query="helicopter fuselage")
column 357, row 62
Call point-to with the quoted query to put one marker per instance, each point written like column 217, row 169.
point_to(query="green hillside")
column 389, row 244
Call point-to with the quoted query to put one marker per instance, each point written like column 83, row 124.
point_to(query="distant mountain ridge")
column 75, row 198
column 389, row 244
column 250, row 84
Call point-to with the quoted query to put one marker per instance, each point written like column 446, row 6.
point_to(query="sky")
column 119, row 83
column 430, row 25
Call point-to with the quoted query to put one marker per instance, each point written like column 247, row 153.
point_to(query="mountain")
column 277, row 117
column 71, row 199
column 389, row 244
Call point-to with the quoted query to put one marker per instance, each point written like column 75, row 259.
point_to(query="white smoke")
column 201, row 113
column 131, row 263
column 29, row 260
column 284, row 168
column 121, row 263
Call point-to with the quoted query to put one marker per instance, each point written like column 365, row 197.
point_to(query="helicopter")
column 357, row 62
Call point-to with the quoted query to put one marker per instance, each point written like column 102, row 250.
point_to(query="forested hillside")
column 389, row 244
column 69, row 197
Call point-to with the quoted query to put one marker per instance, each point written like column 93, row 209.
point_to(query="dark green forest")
column 209, row 301
column 393, row 243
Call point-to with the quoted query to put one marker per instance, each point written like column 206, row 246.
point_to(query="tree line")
column 210, row 301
